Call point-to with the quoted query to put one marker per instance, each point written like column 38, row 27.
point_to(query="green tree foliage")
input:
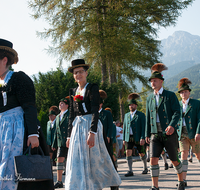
column 50, row 88
column 115, row 35
column 118, row 37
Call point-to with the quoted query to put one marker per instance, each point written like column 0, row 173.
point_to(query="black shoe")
column 181, row 186
column 63, row 173
column 58, row 184
column 129, row 173
column 185, row 183
column 154, row 188
column 171, row 166
column 166, row 166
column 114, row 188
column 148, row 159
column 190, row 160
column 145, row 171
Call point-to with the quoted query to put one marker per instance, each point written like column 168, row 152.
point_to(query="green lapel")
column 64, row 117
column 160, row 99
column 188, row 107
column 58, row 120
column 135, row 116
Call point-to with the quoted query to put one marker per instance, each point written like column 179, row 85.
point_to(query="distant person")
column 134, row 133
column 53, row 112
column 162, row 116
column 188, row 125
column 60, row 138
column 119, row 138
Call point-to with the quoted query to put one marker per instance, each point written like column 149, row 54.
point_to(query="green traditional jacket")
column 168, row 112
column 107, row 122
column 137, row 123
column 60, row 136
column 50, row 133
column 192, row 118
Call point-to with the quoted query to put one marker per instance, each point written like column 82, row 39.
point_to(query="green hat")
column 156, row 71
column 184, row 84
column 52, row 112
column 156, row 74
column 65, row 100
column 132, row 98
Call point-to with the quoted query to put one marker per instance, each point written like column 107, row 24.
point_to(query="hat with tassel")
column 156, row 71
column 183, row 84
column 132, row 98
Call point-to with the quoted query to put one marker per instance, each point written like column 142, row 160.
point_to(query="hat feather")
column 158, row 67
column 102, row 94
column 108, row 109
column 133, row 96
column 184, row 81
column 54, row 108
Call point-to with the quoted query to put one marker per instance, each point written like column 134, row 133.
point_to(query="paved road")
column 167, row 179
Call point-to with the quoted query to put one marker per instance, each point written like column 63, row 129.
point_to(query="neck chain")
column 1, row 76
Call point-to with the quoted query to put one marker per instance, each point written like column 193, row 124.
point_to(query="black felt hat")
column 8, row 46
column 156, row 71
column 78, row 63
column 183, row 84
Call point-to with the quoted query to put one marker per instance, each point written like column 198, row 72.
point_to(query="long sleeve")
column 71, row 113
column 25, row 93
column 94, row 99
column 147, row 126
column 175, row 107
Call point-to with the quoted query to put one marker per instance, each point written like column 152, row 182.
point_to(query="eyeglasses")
column 80, row 72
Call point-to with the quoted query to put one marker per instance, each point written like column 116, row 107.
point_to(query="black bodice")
column 20, row 91
column 89, row 105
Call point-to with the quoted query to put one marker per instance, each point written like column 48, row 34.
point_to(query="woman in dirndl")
column 89, row 166
column 17, row 107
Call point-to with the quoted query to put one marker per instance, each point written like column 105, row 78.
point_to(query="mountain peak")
column 181, row 46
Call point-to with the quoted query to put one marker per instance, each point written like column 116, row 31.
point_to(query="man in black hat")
column 188, row 125
column 162, row 116
column 134, row 133
column 61, row 126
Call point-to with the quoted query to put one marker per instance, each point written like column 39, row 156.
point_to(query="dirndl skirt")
column 88, row 168
column 11, row 144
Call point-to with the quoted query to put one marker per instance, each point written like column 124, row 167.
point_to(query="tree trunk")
column 121, row 105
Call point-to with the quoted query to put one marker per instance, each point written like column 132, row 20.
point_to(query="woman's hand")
column 33, row 140
column 67, row 143
column 90, row 140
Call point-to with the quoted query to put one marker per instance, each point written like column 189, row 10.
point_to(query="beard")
column 132, row 109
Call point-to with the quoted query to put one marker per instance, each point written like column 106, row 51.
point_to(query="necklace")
column 1, row 76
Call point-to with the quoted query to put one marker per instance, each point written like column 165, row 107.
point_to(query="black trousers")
column 169, row 142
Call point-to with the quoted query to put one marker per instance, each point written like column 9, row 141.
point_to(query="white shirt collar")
column 186, row 102
column 100, row 110
column 160, row 91
column 63, row 112
column 133, row 113
column 81, row 92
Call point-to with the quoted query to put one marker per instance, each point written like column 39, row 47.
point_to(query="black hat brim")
column 86, row 66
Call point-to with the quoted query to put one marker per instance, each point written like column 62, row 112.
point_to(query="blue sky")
column 20, row 28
